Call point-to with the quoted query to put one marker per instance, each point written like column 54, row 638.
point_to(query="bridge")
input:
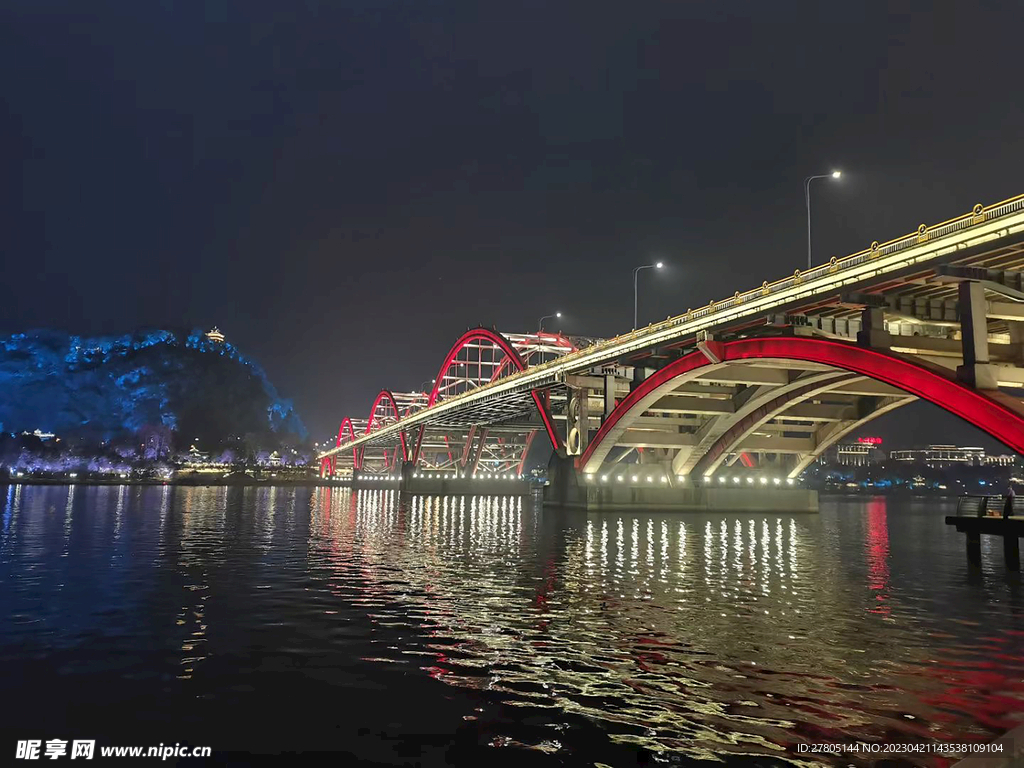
column 749, row 389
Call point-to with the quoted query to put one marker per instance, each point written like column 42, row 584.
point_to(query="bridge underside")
column 494, row 437
column 771, row 404
column 777, row 415
column 494, row 448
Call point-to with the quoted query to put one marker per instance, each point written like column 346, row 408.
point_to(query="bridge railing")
column 981, row 506
column 834, row 267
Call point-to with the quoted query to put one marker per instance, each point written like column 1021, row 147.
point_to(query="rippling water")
column 462, row 630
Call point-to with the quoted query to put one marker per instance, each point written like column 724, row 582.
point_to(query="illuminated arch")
column 762, row 405
column 1000, row 415
column 346, row 422
column 885, row 405
column 732, row 439
column 512, row 362
column 383, row 412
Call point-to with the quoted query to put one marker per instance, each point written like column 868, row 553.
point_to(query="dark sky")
column 345, row 187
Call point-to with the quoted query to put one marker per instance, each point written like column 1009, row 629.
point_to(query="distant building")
column 214, row 334
column 864, row 452
column 1004, row 460
column 40, row 434
column 195, row 456
column 952, row 455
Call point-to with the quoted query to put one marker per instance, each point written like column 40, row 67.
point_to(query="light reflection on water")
column 685, row 636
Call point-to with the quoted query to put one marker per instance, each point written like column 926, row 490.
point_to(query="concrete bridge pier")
column 563, row 488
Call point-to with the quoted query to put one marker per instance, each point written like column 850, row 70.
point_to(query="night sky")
column 344, row 187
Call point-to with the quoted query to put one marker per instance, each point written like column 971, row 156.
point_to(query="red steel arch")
column 329, row 463
column 993, row 412
column 511, row 355
column 347, row 422
column 341, row 430
column 385, row 395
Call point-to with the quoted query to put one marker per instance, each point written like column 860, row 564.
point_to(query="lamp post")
column 807, row 201
column 540, row 323
column 636, row 272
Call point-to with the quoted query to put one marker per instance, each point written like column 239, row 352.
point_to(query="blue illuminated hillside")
column 112, row 388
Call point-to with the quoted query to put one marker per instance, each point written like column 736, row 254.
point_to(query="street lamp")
column 807, row 201
column 636, row 272
column 540, row 323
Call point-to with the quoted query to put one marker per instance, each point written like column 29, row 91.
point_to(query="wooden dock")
column 977, row 515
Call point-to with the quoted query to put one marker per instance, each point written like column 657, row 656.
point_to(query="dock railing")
column 981, row 506
column 991, row 515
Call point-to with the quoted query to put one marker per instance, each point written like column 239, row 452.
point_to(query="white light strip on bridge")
column 967, row 231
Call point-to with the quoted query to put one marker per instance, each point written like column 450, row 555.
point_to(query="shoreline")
column 314, row 482
column 249, row 481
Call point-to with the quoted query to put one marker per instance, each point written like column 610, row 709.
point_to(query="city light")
column 540, row 323
column 636, row 272
column 836, row 174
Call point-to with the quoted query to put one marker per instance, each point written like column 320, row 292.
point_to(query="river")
column 472, row 631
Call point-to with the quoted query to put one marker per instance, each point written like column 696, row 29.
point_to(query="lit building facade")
column 952, row 455
column 864, row 452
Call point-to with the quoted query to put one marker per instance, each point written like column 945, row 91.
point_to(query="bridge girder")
column 757, row 400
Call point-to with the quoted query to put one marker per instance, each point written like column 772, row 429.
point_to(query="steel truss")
column 495, row 438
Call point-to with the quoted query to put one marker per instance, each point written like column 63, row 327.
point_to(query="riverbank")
column 186, row 481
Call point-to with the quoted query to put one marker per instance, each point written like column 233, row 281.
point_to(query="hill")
column 114, row 389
